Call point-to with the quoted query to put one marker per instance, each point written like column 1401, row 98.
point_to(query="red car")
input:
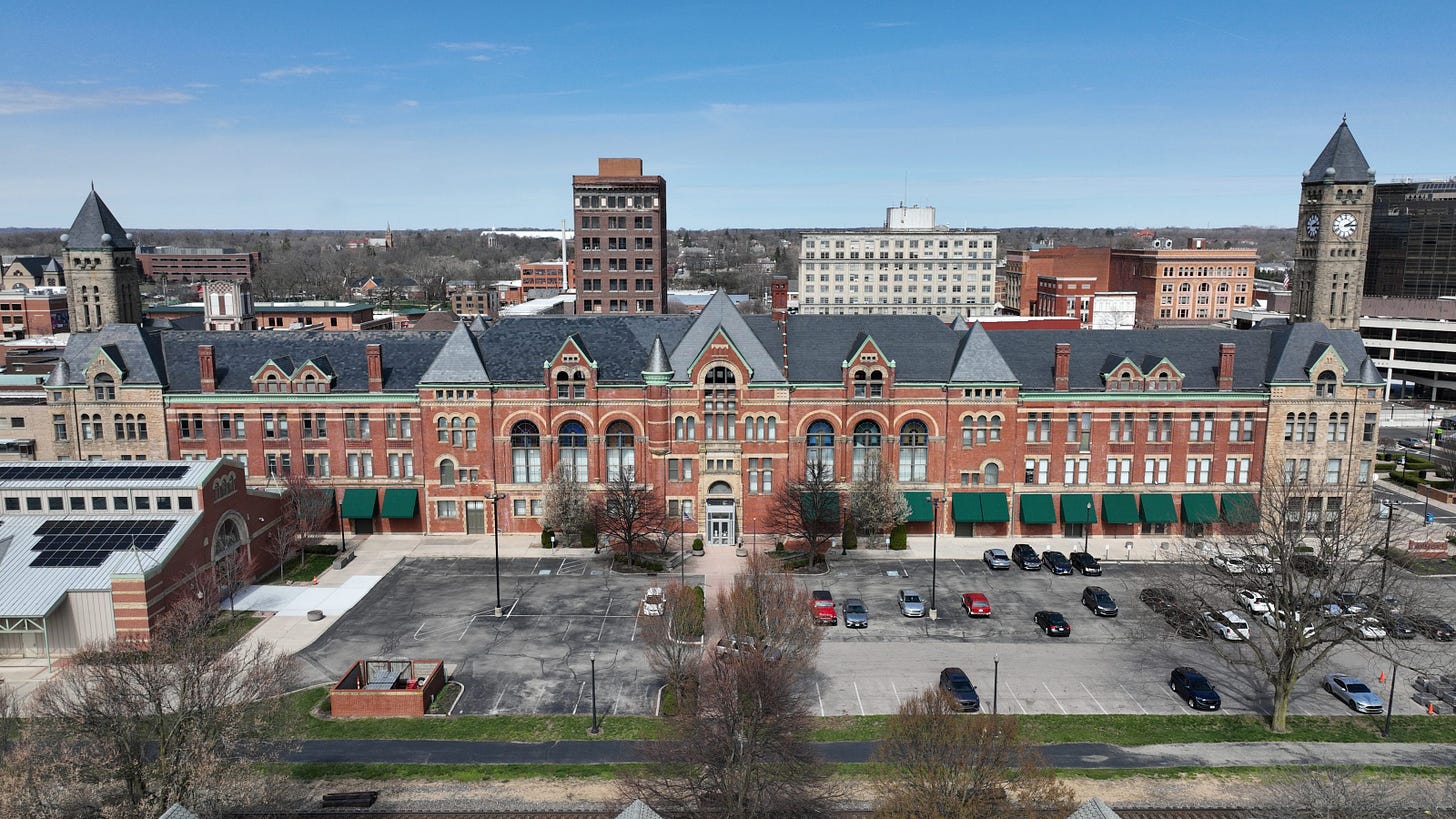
column 976, row 604
column 823, row 608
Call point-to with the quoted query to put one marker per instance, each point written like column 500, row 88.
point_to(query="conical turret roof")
column 97, row 227
column 1341, row 161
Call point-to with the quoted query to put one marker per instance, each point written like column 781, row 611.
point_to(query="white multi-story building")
column 911, row 266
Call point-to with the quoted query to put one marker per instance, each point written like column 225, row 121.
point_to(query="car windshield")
column 1199, row 684
column 1102, row 598
column 854, row 608
column 912, row 598
column 1357, row 688
column 1056, row 619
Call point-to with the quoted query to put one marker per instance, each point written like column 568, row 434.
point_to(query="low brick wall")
column 349, row 698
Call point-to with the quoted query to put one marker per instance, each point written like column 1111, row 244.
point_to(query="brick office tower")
column 101, row 270
column 621, row 239
column 1334, row 233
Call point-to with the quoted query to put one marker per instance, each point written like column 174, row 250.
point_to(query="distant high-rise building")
column 908, row 267
column 621, row 239
column 1334, row 231
column 101, row 270
column 1413, row 240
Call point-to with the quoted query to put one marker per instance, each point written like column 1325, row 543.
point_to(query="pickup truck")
column 823, row 607
column 737, row 647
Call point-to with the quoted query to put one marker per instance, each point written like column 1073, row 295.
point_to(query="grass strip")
column 380, row 771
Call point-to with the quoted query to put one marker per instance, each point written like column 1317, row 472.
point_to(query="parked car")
column 1233, row 564
column 996, row 559
column 1194, row 689
column 1351, row 603
column 1366, row 628
column 1086, row 564
column 1381, row 604
column 1053, row 624
column 654, row 603
column 1432, row 626
column 1309, row 565
column 856, row 615
column 1158, row 599
column 1026, row 557
column 1254, row 601
column 739, row 647
column 1255, row 564
column 1227, row 624
column 1276, row 619
column 910, row 603
column 976, row 604
column 957, row 687
column 1412, row 443
column 1398, row 626
column 1057, row 562
column 1099, row 602
column 822, row 604
column 1354, row 693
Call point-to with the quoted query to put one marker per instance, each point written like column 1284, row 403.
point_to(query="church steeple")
column 1333, row 233
column 101, row 273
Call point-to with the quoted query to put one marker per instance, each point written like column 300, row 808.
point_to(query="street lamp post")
column 595, row 729
column 934, row 546
column 495, row 500
column 1087, row 527
column 682, row 555
column 343, row 541
column 1389, row 704
column 995, row 680
column 1430, row 456
column 1385, row 556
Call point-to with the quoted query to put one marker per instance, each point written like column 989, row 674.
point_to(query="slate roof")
column 34, row 265
column 93, row 223
column 459, row 361
column 132, row 350
column 1343, row 154
column 978, row 359
column 720, row 313
column 922, row 347
column 514, row 348
column 238, row 355
column 657, row 362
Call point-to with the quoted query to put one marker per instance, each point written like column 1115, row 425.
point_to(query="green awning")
column 1240, row 508
column 1078, row 508
column 1158, row 508
column 921, row 509
column 1038, row 509
column 1120, row 507
column 399, row 503
column 827, row 503
column 358, row 503
column 965, row 507
column 994, row 508
column 1199, row 508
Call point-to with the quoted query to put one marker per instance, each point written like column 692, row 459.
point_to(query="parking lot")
column 1109, row 665
column 535, row 659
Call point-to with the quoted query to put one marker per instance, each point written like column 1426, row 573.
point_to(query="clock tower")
column 1334, row 231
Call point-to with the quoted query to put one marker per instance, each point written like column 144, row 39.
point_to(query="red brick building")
column 195, row 264
column 1025, row 269
column 621, row 239
column 40, row 312
column 1191, row 285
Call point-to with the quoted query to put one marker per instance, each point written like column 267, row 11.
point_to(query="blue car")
column 1057, row 562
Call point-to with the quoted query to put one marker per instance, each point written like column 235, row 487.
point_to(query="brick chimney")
column 1225, row 366
column 1063, row 370
column 207, row 367
column 375, row 361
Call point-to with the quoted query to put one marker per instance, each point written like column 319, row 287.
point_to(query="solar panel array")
column 94, row 472
column 70, row 544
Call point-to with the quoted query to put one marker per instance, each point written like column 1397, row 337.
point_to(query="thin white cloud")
column 410, row 103
column 295, row 71
column 483, row 51
column 886, row 24
column 29, row 99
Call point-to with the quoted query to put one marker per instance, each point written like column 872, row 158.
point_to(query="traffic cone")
column 1430, row 708
column 315, row 583
column 1382, row 676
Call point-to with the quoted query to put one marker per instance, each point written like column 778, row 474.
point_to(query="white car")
column 1227, row 624
column 654, row 603
column 1255, row 602
column 1274, row 618
column 1229, row 563
column 1367, row 628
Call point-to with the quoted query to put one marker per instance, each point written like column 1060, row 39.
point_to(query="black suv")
column 1099, row 602
column 1432, row 626
column 1086, row 564
column 1026, row 557
column 957, row 686
column 1194, row 689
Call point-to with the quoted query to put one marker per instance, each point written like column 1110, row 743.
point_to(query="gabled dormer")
column 719, row 333
column 867, row 372
column 571, row 374
column 316, row 375
column 1326, row 370
column 105, row 373
column 1160, row 375
column 1119, row 374
column 274, row 375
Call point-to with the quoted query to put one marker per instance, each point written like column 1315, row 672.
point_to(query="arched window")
column 310, row 383
column 104, row 387
column 819, row 447
column 120, row 427
column 621, row 451
column 866, row 449
column 995, row 428
column 525, row 453
column 270, row 384
column 914, row 443
column 563, row 385
column 720, row 404
column 470, row 433
column 571, row 440
column 447, row 472
column 442, row 429
column 968, row 430
column 877, row 384
column 227, row 540
column 677, row 428
column 578, row 385
column 991, row 473
column 773, row 429
column 142, row 427
column 457, row 432
column 1325, row 385
column 861, row 389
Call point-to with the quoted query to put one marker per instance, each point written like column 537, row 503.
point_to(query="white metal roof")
column 195, row 476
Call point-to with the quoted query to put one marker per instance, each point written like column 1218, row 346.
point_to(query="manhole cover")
column 892, row 573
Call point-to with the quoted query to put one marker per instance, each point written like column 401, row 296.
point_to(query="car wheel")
column 1190, row 703
column 1171, row 686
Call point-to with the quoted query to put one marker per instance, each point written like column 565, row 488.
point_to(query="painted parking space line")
column 957, row 564
column 857, row 697
column 1135, row 700
column 1094, row 697
column 820, row 694
column 581, row 689
column 1054, row 698
column 468, row 624
column 896, row 692
column 495, row 709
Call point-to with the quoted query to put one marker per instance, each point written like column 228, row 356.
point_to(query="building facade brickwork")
column 621, row 240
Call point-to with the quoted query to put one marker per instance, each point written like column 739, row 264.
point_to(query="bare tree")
column 630, row 513
column 1305, row 544
column 674, row 641
column 876, row 503
column 1351, row 793
column 742, row 751
column 808, row 510
column 229, row 573
column 938, row 764
column 127, row 730
column 565, row 507
column 305, row 509
column 766, row 604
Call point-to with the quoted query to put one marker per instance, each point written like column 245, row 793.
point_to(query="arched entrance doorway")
column 722, row 515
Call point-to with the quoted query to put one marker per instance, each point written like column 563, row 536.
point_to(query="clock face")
column 1311, row 226
column 1344, row 225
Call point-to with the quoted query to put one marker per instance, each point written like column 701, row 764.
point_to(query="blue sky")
column 792, row 114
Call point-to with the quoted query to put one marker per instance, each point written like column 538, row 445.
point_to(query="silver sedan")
column 910, row 603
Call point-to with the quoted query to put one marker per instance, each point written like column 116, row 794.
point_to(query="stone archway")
column 722, row 515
